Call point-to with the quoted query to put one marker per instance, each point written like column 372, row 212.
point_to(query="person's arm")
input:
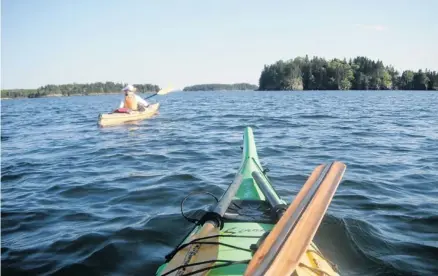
column 141, row 100
column 121, row 104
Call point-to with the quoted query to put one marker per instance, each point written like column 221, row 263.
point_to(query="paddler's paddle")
column 161, row 92
column 281, row 251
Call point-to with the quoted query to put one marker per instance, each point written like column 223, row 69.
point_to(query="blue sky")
column 179, row 43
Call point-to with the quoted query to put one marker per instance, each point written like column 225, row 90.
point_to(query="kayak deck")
column 247, row 219
column 111, row 119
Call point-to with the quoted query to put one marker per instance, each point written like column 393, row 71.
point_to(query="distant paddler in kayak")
column 132, row 101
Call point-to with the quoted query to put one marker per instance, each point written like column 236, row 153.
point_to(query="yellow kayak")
column 111, row 119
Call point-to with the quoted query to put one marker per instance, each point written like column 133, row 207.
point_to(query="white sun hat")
column 129, row 87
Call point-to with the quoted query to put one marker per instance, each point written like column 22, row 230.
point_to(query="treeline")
column 219, row 86
column 359, row 73
column 75, row 89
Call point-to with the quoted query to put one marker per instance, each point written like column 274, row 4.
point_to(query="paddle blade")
column 283, row 248
column 165, row 91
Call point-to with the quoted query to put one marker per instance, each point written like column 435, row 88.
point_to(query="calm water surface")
column 78, row 199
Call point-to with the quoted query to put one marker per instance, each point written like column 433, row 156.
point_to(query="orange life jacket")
column 131, row 102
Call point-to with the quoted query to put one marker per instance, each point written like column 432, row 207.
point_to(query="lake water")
column 83, row 200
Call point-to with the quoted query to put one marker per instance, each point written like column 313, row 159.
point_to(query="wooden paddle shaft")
column 280, row 255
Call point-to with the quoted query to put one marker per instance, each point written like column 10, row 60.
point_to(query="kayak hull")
column 112, row 119
column 248, row 218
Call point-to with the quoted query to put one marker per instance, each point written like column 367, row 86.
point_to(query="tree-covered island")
column 360, row 73
column 75, row 89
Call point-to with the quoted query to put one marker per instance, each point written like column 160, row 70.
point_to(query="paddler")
column 132, row 100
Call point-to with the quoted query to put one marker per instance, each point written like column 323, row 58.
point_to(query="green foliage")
column 75, row 89
column 360, row 73
column 219, row 86
column 433, row 80
column 421, row 81
column 407, row 80
column 340, row 75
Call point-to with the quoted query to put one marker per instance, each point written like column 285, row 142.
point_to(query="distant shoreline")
column 297, row 74
column 241, row 91
column 221, row 87
column 79, row 89
column 60, row 95
column 221, row 90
